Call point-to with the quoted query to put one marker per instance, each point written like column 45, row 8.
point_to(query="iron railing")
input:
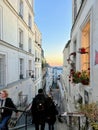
column 23, row 121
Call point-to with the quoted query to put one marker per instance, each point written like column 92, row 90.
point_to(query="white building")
column 18, row 50
column 38, row 60
column 49, row 79
column 56, row 73
column 83, row 35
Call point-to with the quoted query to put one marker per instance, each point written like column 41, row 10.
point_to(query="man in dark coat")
column 39, row 114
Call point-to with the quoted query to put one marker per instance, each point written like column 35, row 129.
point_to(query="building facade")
column 82, row 54
column 18, row 69
column 38, row 60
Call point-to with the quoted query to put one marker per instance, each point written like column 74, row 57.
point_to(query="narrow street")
column 59, row 125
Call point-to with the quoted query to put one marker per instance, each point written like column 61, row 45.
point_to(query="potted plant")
column 91, row 113
column 84, row 78
column 80, row 77
column 76, row 77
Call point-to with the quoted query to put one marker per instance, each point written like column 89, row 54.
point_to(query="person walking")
column 51, row 113
column 38, row 110
column 6, row 112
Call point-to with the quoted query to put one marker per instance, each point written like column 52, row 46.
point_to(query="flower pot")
column 85, row 82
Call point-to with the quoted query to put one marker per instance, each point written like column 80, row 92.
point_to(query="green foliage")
column 84, row 78
column 76, row 77
column 91, row 112
column 94, row 125
column 81, row 77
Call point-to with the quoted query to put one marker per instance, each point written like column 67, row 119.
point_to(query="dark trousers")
column 37, row 126
column 51, row 126
column 4, row 123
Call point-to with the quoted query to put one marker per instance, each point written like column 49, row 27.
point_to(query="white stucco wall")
column 9, row 48
column 88, row 12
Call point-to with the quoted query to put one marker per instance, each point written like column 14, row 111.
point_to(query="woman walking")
column 6, row 113
column 51, row 113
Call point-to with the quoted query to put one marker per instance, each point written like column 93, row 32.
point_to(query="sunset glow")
column 54, row 61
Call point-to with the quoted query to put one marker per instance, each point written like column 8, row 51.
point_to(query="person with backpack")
column 51, row 113
column 38, row 110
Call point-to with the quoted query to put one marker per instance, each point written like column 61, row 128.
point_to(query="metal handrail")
column 23, row 111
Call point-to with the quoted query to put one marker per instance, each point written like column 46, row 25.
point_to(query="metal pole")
column 70, row 122
column 25, row 121
column 79, row 122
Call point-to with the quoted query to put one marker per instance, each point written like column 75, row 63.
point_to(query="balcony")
column 30, row 73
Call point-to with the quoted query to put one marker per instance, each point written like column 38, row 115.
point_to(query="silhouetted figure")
column 51, row 113
column 38, row 110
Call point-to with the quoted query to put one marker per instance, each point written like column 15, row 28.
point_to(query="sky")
column 54, row 20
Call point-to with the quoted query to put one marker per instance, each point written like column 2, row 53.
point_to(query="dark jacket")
column 7, row 112
column 51, row 111
column 38, row 117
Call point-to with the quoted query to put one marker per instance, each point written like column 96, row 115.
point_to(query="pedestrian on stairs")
column 5, row 114
column 51, row 113
column 38, row 110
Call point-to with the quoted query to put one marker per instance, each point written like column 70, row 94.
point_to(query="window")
column 20, row 39
column 36, row 39
column 35, row 55
column 75, row 9
column 30, row 65
column 85, row 43
column 29, row 45
column 74, row 57
column 30, row 68
column 0, row 23
column 35, row 73
column 21, row 8
column 29, row 21
column 2, row 71
column 21, row 68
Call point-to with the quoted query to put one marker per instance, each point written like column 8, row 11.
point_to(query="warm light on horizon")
column 54, row 61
